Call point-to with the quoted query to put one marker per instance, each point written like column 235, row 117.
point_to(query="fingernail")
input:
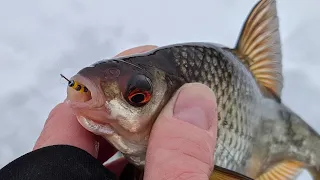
column 195, row 104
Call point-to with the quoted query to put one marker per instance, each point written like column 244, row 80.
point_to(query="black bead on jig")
column 75, row 85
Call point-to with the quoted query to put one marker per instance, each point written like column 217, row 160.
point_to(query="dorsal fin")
column 259, row 47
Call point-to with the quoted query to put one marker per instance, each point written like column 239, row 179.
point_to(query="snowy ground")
column 40, row 39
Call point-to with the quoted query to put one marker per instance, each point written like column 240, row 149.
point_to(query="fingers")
column 183, row 137
column 62, row 127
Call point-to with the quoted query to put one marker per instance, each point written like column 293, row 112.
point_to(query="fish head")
column 122, row 103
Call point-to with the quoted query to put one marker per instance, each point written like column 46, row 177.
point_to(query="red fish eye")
column 139, row 97
column 139, row 90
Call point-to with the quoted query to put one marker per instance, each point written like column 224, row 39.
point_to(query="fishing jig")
column 75, row 85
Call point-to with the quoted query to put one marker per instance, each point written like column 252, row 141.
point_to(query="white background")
column 40, row 39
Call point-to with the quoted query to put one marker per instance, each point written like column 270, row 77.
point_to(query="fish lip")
column 86, row 112
column 95, row 127
column 97, row 98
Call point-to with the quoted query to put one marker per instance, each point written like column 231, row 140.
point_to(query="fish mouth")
column 94, row 98
column 89, row 107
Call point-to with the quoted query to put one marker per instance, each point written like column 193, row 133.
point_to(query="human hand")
column 181, row 143
column 62, row 127
column 183, row 138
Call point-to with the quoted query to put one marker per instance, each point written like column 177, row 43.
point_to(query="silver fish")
column 258, row 135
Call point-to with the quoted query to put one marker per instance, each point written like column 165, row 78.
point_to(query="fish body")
column 258, row 136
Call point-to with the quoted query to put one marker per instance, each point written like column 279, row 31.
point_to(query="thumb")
column 183, row 138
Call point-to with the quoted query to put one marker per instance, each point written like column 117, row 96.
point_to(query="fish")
column 259, row 137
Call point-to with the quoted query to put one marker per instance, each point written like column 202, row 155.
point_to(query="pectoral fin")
column 220, row 173
column 287, row 170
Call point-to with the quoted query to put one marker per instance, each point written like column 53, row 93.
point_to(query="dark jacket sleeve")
column 60, row 162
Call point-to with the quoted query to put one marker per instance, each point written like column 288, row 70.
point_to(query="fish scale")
column 217, row 73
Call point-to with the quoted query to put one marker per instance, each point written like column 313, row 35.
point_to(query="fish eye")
column 139, row 91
